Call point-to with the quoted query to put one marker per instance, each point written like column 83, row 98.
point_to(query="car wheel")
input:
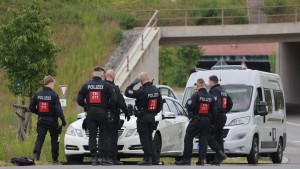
column 74, row 158
column 277, row 156
column 254, row 153
column 209, row 158
column 156, row 148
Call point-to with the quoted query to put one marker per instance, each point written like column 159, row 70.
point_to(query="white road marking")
column 296, row 141
column 295, row 124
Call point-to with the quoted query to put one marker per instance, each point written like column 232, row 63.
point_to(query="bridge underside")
column 288, row 66
column 287, row 35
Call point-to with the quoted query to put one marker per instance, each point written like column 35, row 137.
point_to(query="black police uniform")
column 46, row 105
column 224, row 105
column 96, row 96
column 149, row 103
column 115, row 114
column 203, row 109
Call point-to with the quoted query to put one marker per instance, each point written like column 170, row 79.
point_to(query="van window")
column 258, row 99
column 241, row 96
column 279, row 100
column 268, row 98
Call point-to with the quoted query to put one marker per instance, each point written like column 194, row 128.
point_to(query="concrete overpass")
column 144, row 56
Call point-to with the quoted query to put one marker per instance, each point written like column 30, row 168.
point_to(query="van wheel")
column 209, row 158
column 156, row 148
column 277, row 157
column 252, row 158
column 74, row 158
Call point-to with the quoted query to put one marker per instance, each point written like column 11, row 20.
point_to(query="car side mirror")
column 168, row 115
column 261, row 108
column 130, row 109
column 81, row 115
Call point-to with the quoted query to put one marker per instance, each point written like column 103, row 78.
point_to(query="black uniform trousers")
column 145, row 129
column 97, row 121
column 114, row 139
column 199, row 125
column 216, row 141
column 47, row 124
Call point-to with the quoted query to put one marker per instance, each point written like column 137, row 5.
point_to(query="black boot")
column 183, row 162
column 219, row 158
column 95, row 161
column 200, row 162
column 107, row 161
column 146, row 161
column 36, row 157
column 117, row 162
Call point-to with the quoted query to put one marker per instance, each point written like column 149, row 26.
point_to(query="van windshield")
column 241, row 96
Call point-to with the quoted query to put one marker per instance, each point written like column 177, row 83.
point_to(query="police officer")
column 202, row 106
column 115, row 114
column 224, row 105
column 149, row 103
column 46, row 105
column 96, row 96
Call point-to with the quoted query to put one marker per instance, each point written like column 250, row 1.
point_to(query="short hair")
column 201, row 82
column 98, row 69
column 48, row 79
column 214, row 78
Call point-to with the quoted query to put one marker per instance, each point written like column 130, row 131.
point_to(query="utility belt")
column 96, row 106
column 200, row 116
column 43, row 115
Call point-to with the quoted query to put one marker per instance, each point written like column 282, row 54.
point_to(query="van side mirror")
column 261, row 108
column 130, row 109
column 168, row 115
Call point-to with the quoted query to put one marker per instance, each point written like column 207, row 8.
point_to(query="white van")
column 256, row 125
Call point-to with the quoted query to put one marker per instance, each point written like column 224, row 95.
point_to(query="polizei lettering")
column 94, row 87
column 204, row 99
column 224, row 94
column 44, row 97
column 152, row 95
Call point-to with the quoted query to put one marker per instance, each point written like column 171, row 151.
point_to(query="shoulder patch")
column 189, row 102
column 216, row 98
column 130, row 91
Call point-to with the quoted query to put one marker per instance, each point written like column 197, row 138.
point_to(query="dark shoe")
column 94, row 161
column 146, row 161
column 116, row 162
column 107, row 161
column 36, row 157
column 200, row 162
column 219, row 158
column 183, row 162
column 155, row 162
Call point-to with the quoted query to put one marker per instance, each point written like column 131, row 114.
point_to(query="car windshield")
column 241, row 96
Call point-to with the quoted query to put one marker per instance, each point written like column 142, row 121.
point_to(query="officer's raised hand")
column 127, row 117
column 136, row 81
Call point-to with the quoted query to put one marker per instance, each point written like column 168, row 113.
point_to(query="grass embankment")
column 86, row 32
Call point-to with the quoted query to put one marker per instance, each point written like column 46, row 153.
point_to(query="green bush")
column 126, row 21
column 117, row 36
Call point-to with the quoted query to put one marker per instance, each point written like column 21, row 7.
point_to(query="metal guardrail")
column 221, row 16
column 138, row 44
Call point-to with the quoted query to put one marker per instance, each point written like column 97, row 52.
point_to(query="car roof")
column 163, row 97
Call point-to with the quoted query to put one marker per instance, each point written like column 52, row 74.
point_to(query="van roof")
column 245, row 77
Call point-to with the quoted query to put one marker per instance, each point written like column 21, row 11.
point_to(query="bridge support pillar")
column 288, row 67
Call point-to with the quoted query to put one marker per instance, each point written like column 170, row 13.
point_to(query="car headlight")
column 79, row 132
column 130, row 132
column 70, row 131
column 239, row 121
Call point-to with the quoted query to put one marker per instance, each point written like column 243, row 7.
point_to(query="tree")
column 26, row 52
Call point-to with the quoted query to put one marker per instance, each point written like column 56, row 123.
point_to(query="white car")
column 168, row 138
